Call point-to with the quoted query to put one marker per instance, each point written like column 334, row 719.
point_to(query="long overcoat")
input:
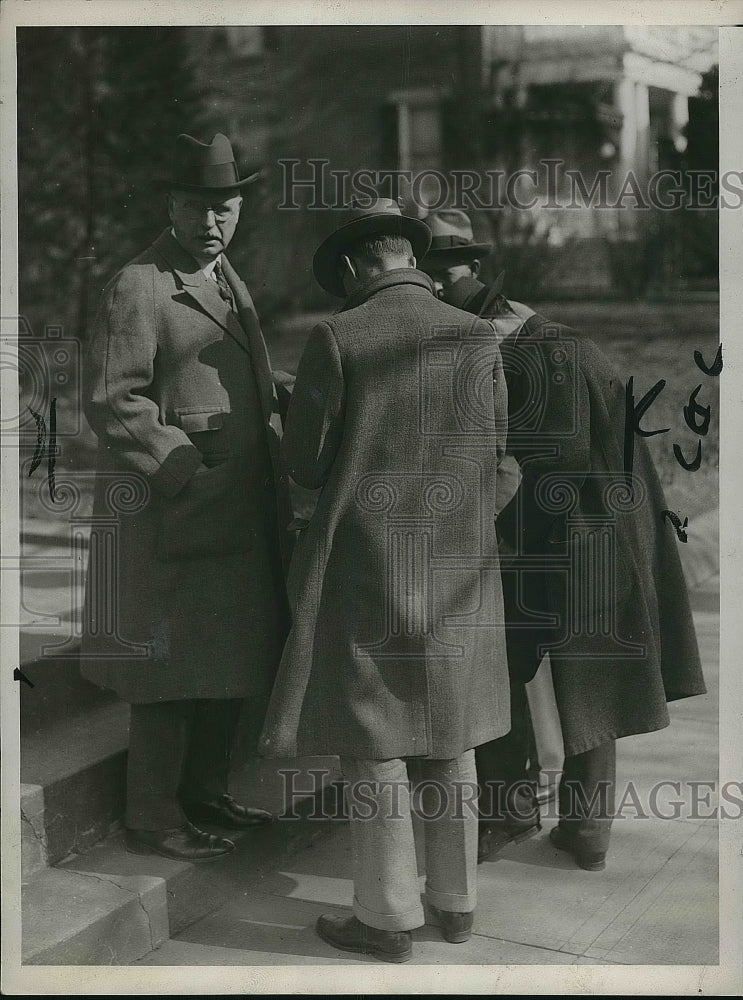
column 594, row 555
column 397, row 646
column 184, row 595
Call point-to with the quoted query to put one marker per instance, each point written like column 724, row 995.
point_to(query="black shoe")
column 184, row 843
column 590, row 861
column 349, row 934
column 224, row 811
column 494, row 836
column 456, row 928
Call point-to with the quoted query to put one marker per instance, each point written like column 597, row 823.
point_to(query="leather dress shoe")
column 224, row 811
column 349, row 934
column 456, row 928
column 493, row 837
column 590, row 861
column 183, row 843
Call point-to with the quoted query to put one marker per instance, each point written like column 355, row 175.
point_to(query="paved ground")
column 656, row 903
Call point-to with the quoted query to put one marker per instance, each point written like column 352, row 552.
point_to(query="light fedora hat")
column 381, row 218
column 202, row 166
column 453, row 240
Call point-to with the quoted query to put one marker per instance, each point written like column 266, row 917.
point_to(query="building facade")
column 587, row 115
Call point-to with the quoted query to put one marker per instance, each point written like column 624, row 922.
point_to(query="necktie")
column 224, row 288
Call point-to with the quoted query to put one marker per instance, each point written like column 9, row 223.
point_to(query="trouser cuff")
column 406, row 921
column 451, row 902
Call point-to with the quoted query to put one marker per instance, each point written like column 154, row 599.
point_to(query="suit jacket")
column 397, row 646
column 189, row 601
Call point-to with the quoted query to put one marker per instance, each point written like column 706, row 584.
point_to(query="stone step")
column 78, row 767
column 75, row 772
column 108, row 907
column 72, row 918
column 34, row 856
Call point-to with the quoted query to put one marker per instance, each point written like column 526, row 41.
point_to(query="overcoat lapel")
column 201, row 289
column 245, row 330
column 252, row 330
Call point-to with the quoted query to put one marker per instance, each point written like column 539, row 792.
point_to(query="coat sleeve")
column 547, row 375
column 314, row 423
column 508, row 474
column 119, row 372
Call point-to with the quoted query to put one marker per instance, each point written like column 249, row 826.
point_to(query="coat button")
column 268, row 482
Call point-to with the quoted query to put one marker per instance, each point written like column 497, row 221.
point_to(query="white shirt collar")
column 206, row 269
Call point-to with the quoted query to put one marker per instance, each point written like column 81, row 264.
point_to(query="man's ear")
column 169, row 204
column 475, row 268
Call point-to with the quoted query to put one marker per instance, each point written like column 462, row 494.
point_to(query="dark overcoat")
column 596, row 578
column 397, row 646
column 184, row 594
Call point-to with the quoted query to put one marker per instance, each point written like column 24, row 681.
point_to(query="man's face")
column 204, row 221
column 444, row 277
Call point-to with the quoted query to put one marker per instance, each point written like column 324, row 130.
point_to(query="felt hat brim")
column 325, row 261
column 451, row 256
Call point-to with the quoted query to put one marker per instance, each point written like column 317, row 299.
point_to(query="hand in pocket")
column 209, row 517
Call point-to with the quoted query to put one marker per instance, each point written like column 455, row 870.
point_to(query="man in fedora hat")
column 454, row 262
column 593, row 574
column 186, row 614
column 395, row 659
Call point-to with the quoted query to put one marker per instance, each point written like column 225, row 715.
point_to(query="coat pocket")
column 206, row 428
column 210, row 517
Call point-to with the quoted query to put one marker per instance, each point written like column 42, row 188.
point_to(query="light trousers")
column 385, row 798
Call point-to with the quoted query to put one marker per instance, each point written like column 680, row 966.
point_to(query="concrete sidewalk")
column 656, row 903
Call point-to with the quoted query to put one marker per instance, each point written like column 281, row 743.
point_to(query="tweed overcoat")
column 184, row 595
column 622, row 642
column 397, row 646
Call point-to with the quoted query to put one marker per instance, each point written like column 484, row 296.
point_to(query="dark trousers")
column 586, row 792
column 586, row 795
column 179, row 751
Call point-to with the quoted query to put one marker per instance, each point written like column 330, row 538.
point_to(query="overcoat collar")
column 195, row 283
column 475, row 297
column 400, row 276
column 245, row 330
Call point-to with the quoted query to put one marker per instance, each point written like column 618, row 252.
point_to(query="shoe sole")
column 381, row 956
column 580, row 860
column 515, row 838
column 203, row 820
column 457, row 938
column 434, row 920
column 146, row 849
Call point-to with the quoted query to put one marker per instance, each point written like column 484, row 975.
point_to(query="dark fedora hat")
column 201, row 166
column 382, row 218
column 453, row 241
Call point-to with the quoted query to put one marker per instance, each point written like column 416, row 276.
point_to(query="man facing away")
column 395, row 660
column 186, row 611
column 594, row 577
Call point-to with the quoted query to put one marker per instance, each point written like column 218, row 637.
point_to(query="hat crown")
column 451, row 222
column 378, row 217
column 189, row 152
column 205, row 165
column 378, row 206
